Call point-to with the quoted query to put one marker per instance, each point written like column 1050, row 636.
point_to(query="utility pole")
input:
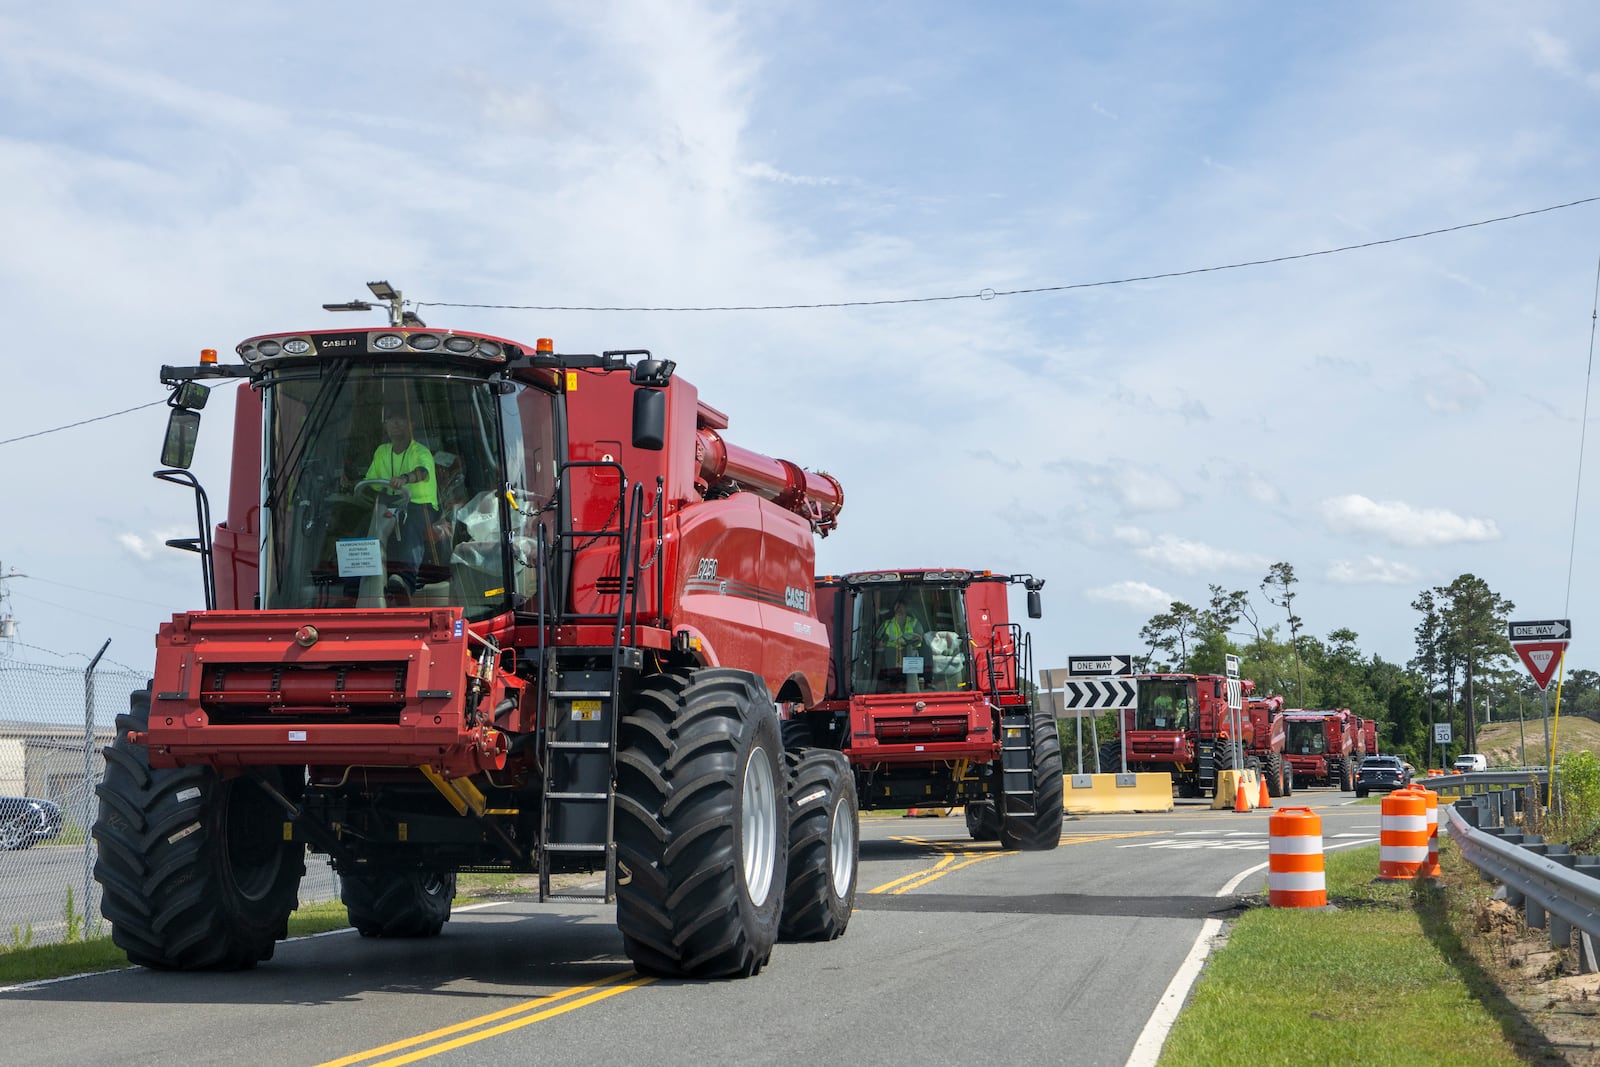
column 8, row 622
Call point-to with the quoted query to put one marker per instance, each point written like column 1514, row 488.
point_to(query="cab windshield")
column 1163, row 704
column 910, row 638
column 386, row 485
column 1306, row 738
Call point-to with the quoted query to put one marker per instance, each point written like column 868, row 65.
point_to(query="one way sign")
column 1084, row 694
column 1543, row 630
column 1099, row 666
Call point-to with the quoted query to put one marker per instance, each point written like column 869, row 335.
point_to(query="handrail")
column 1558, row 890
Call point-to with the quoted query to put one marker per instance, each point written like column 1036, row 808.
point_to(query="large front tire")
column 398, row 903
column 193, row 868
column 824, row 846
column 1039, row 829
column 702, row 825
column 1274, row 773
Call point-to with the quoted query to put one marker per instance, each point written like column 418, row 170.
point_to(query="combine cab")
column 480, row 606
column 926, row 699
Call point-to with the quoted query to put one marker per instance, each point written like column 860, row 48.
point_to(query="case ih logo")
column 798, row 599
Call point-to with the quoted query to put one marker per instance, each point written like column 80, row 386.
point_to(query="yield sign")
column 1541, row 658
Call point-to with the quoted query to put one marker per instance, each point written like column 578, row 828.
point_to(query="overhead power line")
column 990, row 294
column 81, row 422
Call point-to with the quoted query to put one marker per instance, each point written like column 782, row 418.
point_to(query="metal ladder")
column 1016, row 716
column 579, row 796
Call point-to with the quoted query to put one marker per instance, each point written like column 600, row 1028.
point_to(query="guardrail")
column 1471, row 782
column 1559, row 891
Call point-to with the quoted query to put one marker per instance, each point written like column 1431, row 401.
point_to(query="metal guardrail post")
column 1559, row 891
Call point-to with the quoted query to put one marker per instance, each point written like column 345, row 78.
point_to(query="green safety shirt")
column 898, row 633
column 387, row 464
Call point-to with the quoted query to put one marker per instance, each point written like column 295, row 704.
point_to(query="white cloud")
column 1401, row 524
column 1182, row 556
column 1451, row 392
column 1140, row 595
column 136, row 544
column 1372, row 570
column 767, row 172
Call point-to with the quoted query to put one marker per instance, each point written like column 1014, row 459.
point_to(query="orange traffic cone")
column 911, row 813
column 1241, row 801
column 1265, row 799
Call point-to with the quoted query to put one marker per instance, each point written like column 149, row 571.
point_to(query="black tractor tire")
column 411, row 902
column 1039, row 829
column 1188, row 786
column 1288, row 779
column 702, row 825
column 1222, row 752
column 1111, row 757
column 824, row 846
column 1347, row 774
column 982, row 822
column 193, row 868
column 1274, row 772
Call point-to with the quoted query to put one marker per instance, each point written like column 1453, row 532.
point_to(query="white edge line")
column 1147, row 1049
column 303, row 937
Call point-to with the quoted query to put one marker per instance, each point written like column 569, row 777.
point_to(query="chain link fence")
column 54, row 723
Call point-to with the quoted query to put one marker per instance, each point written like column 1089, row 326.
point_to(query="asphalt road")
column 957, row 952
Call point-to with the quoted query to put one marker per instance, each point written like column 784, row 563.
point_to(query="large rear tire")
column 1111, row 757
column 398, row 903
column 193, row 868
column 702, row 826
column 982, row 822
column 1347, row 774
column 824, row 846
column 1288, row 779
column 1039, row 829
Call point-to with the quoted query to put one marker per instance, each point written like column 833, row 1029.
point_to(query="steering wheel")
column 373, row 488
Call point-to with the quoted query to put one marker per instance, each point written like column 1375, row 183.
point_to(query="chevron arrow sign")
column 1098, row 694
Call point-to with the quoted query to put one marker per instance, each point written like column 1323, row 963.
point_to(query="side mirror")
column 1035, row 605
column 650, row 419
column 183, row 427
column 656, row 372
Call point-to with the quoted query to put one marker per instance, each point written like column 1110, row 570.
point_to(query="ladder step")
column 569, row 694
column 578, row 796
column 588, row 745
column 574, row 846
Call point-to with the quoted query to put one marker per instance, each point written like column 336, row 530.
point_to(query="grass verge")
column 1382, row 977
column 32, row 963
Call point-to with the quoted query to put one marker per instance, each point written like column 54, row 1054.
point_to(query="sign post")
column 1541, row 645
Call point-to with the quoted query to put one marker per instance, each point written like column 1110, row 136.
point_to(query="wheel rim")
column 760, row 826
column 254, row 854
column 842, row 832
column 11, row 834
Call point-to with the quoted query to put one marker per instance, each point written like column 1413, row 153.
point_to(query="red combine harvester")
column 1326, row 747
column 925, row 698
column 540, row 627
column 1182, row 725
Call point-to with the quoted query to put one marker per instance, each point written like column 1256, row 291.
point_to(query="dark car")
column 1383, row 773
column 27, row 820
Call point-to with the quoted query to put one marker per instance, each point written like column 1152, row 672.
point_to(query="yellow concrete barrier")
column 1108, row 794
column 1228, row 783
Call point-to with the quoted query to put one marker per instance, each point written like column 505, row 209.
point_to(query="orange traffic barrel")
column 1295, row 874
column 1430, row 799
column 1402, row 836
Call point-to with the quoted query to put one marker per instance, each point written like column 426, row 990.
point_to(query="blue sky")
column 181, row 175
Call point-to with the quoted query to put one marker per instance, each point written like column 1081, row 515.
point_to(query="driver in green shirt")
column 405, row 462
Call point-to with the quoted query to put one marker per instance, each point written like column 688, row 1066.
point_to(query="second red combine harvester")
column 927, row 698
column 1182, row 725
column 480, row 606
column 1326, row 747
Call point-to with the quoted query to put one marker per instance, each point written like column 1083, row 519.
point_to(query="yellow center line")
column 598, row 990
column 977, row 853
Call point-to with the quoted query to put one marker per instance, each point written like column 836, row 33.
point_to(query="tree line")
column 1463, row 660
